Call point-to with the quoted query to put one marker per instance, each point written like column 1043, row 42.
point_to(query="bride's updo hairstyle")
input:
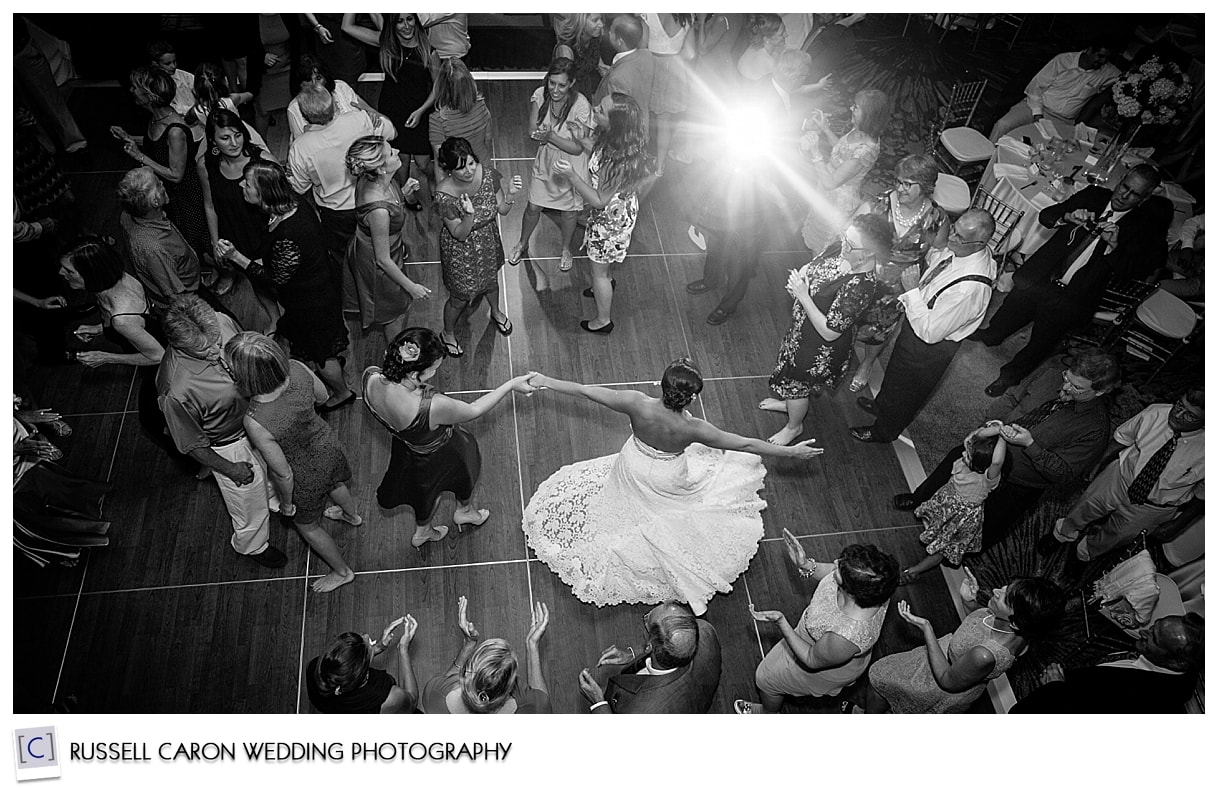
column 413, row 350
column 681, row 383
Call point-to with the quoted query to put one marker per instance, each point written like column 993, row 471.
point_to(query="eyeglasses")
column 1071, row 387
column 906, row 184
column 847, row 247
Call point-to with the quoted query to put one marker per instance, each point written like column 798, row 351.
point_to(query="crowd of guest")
column 230, row 283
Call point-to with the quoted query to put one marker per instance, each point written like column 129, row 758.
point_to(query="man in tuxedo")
column 677, row 672
column 1103, row 236
column 741, row 207
column 633, row 69
column 948, row 304
column 1157, row 678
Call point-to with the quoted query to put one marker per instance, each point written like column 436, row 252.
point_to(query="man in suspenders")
column 948, row 304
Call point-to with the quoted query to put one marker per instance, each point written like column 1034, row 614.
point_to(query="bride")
column 675, row 515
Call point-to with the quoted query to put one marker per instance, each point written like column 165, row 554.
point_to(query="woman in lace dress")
column 841, row 177
column 674, row 515
column 830, row 294
column 832, row 644
column 917, row 224
column 949, row 673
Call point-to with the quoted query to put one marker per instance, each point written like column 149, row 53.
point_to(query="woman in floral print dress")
column 618, row 170
column 830, row 293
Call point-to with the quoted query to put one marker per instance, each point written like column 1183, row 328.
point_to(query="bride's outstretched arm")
column 710, row 435
column 621, row 401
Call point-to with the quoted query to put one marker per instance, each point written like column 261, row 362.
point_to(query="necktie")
column 1145, row 481
column 1039, row 414
column 938, row 269
column 1081, row 241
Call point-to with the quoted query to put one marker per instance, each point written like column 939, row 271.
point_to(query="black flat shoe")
column 698, row 287
column 344, row 402
column 717, row 316
column 904, row 502
column 997, row 388
column 866, row 404
column 588, row 290
column 605, row 329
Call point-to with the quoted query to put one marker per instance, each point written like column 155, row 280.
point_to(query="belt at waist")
column 227, row 441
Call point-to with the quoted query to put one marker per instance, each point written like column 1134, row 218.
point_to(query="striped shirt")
column 474, row 126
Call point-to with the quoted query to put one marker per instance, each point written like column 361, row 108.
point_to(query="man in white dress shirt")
column 948, row 304
column 1061, row 89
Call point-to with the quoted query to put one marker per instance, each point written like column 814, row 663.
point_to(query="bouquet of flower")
column 1153, row 94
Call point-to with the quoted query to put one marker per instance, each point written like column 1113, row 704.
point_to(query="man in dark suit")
column 633, row 70
column 1157, row 679
column 1105, row 236
column 677, row 673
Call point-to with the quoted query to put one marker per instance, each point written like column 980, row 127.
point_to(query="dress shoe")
column 271, row 558
column 698, row 287
column 605, row 329
column 866, row 435
column 996, row 388
column 717, row 316
column 866, row 404
column 904, row 502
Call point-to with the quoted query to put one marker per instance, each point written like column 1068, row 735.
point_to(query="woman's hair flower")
column 409, row 352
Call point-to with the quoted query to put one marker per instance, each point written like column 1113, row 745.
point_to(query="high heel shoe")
column 438, row 534
column 605, row 329
column 483, row 516
column 519, row 251
column 566, row 262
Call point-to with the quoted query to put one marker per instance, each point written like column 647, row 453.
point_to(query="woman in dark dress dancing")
column 431, row 453
column 830, row 294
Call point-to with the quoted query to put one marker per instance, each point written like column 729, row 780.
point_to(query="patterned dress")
column 807, row 364
column 780, row 674
column 909, row 247
column 953, row 516
column 645, row 525
column 546, row 190
column 471, row 267
column 906, row 681
column 610, row 228
column 185, row 207
column 425, row 462
column 317, row 462
column 381, row 300
column 823, row 224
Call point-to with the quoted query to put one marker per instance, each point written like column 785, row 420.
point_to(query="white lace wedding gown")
column 648, row 526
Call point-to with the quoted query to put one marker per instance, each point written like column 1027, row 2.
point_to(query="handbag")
column 1128, row 592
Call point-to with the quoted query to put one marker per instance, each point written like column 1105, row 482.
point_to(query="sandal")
column 742, row 706
column 336, row 512
column 483, row 516
column 566, row 262
column 452, row 347
column 59, row 427
column 518, row 252
column 504, row 328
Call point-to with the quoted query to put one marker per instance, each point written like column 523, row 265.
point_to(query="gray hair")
column 135, row 191
column 190, row 323
column 316, row 104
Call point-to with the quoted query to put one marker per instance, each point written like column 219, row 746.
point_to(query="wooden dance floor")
column 169, row 619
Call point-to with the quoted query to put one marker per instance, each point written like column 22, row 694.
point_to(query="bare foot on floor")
column 785, row 435
column 773, row 405
column 333, row 581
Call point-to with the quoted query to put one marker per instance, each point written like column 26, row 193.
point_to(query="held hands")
column 541, row 619
column 467, row 205
column 613, row 656
column 917, row 621
column 969, row 586
column 1016, row 435
column 588, row 687
column 524, row 384
column 515, row 185
column 772, row 616
column 463, row 622
column 417, row 291
column 224, row 249
column 51, row 302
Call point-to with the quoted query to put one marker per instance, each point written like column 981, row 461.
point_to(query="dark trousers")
column 732, row 259
column 1004, row 507
column 1052, row 315
column 49, row 487
column 913, row 372
column 337, row 227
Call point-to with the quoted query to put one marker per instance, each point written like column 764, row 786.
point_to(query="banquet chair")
column 1006, row 219
column 1159, row 328
column 951, row 194
column 957, row 147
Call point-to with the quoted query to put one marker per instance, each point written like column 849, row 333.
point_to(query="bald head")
column 626, row 32
column 1175, row 642
column 976, row 224
column 672, row 633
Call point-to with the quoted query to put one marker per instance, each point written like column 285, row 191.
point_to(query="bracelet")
column 804, row 572
column 319, row 25
column 598, row 704
column 631, row 650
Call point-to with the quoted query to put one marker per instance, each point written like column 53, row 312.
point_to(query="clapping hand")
column 917, row 621
column 120, row 134
column 969, row 586
column 463, row 623
column 795, row 550
column 541, row 619
column 541, row 134
column 561, row 168
column 797, row 284
column 772, row 616
column 613, row 656
column 387, row 635
column 467, row 205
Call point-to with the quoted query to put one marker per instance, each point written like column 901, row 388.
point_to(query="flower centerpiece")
column 1153, row 94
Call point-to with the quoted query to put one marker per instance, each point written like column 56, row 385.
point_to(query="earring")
column 215, row 150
